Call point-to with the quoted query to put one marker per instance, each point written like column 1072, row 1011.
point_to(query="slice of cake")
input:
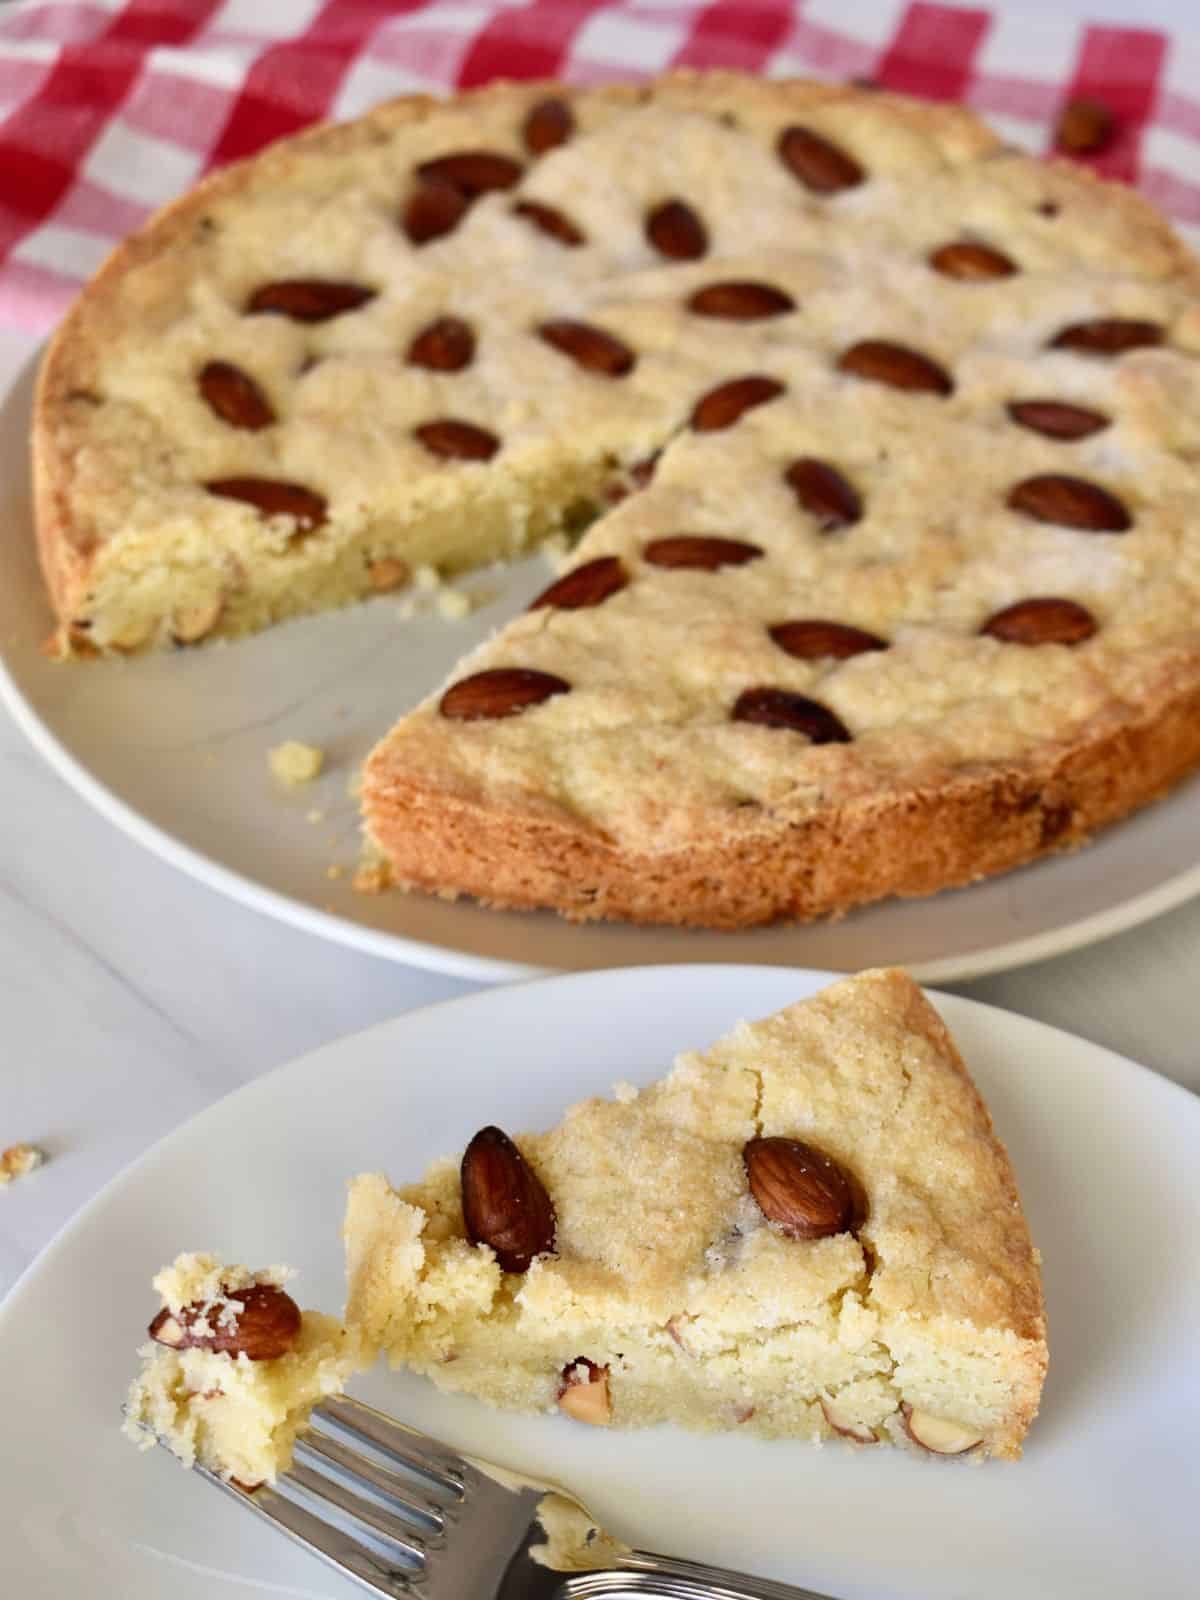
column 809, row 1230
column 233, row 1369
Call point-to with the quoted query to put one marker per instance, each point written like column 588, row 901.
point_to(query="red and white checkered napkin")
column 108, row 108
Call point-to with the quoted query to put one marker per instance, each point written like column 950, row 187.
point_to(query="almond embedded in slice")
column 233, row 395
column 505, row 1204
column 433, row 210
column 1045, row 619
column 190, row 624
column 588, row 585
column 308, row 299
column 972, row 263
column 728, row 402
column 740, row 300
column 1056, row 419
column 499, row 692
column 841, row 1422
column 699, row 552
column 265, row 1326
column 819, row 164
column 1108, row 336
column 1070, row 503
column 386, row 573
column 548, row 124
column 772, row 707
column 549, row 220
column 445, row 345
column 938, row 1435
column 589, row 347
column 676, row 231
column 814, row 639
column 824, row 493
column 584, row 1394
column 799, row 1187
column 456, row 440
column 273, row 497
column 881, row 361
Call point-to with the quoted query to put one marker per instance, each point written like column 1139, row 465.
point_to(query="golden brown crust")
column 909, row 842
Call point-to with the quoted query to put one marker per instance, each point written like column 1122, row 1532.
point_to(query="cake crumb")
column 18, row 1160
column 294, row 763
column 625, row 1092
column 372, row 878
column 335, row 872
column 427, row 578
column 315, row 816
column 453, row 604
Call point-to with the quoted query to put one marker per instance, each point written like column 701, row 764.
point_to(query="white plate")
column 1103, row 1505
column 173, row 749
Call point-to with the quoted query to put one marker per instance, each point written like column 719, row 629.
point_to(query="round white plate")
column 1101, row 1508
column 173, row 749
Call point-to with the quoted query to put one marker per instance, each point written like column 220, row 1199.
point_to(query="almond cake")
column 809, row 1231
column 888, row 433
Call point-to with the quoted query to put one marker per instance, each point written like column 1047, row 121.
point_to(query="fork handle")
column 642, row 1573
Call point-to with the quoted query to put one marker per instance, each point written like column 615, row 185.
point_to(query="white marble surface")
column 131, row 996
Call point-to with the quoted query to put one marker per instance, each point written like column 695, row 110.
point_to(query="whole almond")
column 1056, row 419
column 499, row 692
column 433, row 210
column 799, row 1187
column 266, row 1326
column 971, row 262
column 771, row 707
column 505, row 1204
column 587, row 585
column 275, row 498
column 819, row 164
column 699, row 552
column 728, row 402
column 1070, row 503
column 444, row 345
column 814, row 639
column 308, row 299
column 1108, row 336
column 823, row 492
column 548, row 124
column 234, row 396
column 589, row 347
column 881, row 361
column 1084, row 127
column 551, row 221
column 676, row 231
column 740, row 300
column 456, row 440
column 472, row 172
column 1047, row 619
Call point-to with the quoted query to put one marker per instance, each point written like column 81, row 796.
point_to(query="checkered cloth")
column 108, row 108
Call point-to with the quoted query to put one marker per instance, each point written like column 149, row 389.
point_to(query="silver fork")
column 406, row 1516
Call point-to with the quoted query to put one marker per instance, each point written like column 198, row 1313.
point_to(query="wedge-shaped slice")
column 810, row 1230
column 233, row 1369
